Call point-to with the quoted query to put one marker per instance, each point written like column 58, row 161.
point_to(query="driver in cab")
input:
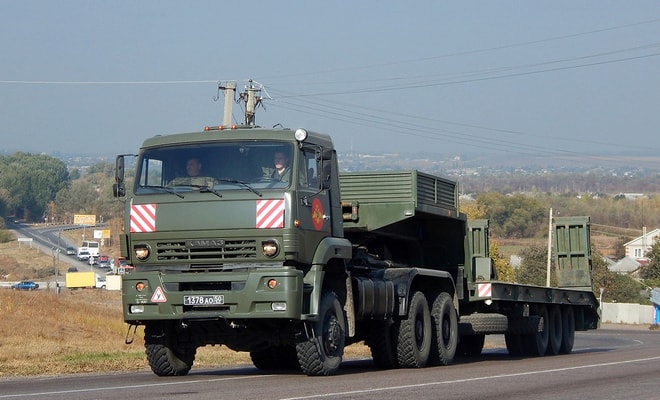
column 281, row 172
column 195, row 177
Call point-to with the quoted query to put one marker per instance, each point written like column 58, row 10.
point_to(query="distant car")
column 104, row 262
column 84, row 256
column 70, row 251
column 25, row 285
column 72, row 269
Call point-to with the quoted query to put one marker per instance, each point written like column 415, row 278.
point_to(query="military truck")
column 294, row 269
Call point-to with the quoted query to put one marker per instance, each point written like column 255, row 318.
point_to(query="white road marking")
column 101, row 389
column 482, row 378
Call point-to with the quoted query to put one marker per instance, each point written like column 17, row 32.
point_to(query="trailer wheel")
column 276, row 357
column 382, row 345
column 536, row 344
column 164, row 356
column 414, row 334
column 554, row 328
column 568, row 330
column 322, row 354
column 444, row 331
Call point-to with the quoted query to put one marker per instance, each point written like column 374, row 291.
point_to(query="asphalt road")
column 49, row 240
column 611, row 363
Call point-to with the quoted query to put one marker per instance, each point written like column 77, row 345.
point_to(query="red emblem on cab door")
column 317, row 214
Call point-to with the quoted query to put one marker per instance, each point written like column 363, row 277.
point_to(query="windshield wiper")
column 201, row 188
column 242, row 183
column 168, row 190
column 207, row 189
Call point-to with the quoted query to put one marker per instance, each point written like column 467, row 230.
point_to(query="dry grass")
column 46, row 333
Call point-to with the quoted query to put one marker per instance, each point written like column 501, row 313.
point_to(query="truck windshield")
column 222, row 166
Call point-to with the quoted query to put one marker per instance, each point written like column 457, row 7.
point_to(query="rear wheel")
column 554, row 330
column 445, row 330
column 568, row 330
column 536, row 344
column 322, row 354
column 166, row 356
column 414, row 334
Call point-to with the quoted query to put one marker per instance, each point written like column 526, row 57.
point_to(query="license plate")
column 204, row 300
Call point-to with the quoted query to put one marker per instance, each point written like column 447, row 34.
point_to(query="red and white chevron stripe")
column 484, row 289
column 143, row 218
column 270, row 214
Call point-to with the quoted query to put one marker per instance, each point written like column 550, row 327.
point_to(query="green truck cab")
column 294, row 265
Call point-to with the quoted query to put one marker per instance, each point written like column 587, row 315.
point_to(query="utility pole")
column 251, row 102
column 230, row 89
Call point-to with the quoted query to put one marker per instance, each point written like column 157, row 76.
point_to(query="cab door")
column 313, row 203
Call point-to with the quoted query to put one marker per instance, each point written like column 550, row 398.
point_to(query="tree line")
column 41, row 188
column 38, row 188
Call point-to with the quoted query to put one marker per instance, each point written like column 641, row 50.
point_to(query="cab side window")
column 308, row 172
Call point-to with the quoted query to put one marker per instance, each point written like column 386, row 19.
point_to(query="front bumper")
column 245, row 295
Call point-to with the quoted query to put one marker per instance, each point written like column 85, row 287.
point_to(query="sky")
column 567, row 79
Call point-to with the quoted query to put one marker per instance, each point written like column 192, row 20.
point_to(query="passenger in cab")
column 195, row 177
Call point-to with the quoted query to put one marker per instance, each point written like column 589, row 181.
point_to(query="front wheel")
column 323, row 352
column 165, row 357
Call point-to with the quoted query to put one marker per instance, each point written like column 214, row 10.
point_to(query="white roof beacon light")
column 300, row 134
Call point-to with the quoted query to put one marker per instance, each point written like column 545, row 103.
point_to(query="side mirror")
column 323, row 154
column 118, row 190
column 119, row 187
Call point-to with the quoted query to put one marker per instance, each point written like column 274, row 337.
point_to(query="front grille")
column 230, row 249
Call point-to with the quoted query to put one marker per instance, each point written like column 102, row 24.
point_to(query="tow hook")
column 128, row 340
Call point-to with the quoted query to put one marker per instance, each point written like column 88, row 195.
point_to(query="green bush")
column 6, row 236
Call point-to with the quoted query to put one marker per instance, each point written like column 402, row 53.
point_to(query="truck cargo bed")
column 372, row 200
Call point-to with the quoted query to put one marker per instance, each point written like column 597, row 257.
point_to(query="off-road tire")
column 414, row 334
column 554, row 330
column 165, row 358
column 476, row 324
column 444, row 325
column 322, row 354
column 568, row 330
column 536, row 344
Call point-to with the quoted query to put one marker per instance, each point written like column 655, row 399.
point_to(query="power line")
column 470, row 52
column 26, row 82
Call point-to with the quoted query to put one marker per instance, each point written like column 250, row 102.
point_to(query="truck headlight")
column 270, row 247
column 141, row 251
